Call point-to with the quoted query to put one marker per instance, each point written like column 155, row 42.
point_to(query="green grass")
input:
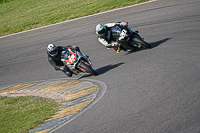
column 20, row 15
column 20, row 114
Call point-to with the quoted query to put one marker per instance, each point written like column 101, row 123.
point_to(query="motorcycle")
column 128, row 38
column 77, row 62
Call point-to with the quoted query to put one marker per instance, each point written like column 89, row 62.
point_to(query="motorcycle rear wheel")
column 141, row 42
column 88, row 68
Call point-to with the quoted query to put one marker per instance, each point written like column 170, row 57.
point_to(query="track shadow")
column 153, row 45
column 107, row 68
column 104, row 69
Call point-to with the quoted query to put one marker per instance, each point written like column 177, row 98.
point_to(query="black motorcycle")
column 128, row 38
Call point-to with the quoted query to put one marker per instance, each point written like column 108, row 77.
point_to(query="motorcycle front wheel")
column 85, row 67
column 141, row 43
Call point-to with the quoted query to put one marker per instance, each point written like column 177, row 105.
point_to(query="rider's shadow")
column 153, row 45
column 104, row 69
column 107, row 68
column 156, row 44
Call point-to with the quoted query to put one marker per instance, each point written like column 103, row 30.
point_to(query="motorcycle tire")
column 142, row 43
column 88, row 68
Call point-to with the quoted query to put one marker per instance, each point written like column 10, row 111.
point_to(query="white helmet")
column 52, row 49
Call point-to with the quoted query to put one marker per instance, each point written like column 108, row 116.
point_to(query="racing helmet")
column 52, row 49
column 100, row 29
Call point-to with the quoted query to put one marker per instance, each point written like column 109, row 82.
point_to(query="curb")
column 74, row 96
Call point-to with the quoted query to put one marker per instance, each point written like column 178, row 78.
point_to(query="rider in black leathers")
column 54, row 57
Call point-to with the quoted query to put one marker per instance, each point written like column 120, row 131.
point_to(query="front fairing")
column 69, row 57
column 82, row 57
column 116, row 31
column 124, row 36
column 73, row 59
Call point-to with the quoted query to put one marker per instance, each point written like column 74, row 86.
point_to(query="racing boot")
column 117, row 48
column 68, row 72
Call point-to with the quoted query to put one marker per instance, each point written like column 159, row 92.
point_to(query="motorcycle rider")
column 54, row 57
column 105, row 36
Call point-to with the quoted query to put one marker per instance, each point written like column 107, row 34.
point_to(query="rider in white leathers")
column 105, row 36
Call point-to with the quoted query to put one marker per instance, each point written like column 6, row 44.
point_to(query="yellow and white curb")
column 74, row 96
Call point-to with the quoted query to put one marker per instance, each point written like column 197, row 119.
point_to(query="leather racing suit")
column 56, row 62
column 107, row 40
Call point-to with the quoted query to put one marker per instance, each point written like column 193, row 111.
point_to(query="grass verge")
column 21, row 15
column 21, row 114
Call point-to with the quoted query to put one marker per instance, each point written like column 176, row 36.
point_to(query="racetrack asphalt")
column 148, row 91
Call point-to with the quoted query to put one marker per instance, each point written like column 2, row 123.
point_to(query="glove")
column 124, row 23
column 76, row 48
column 115, row 44
column 112, row 45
